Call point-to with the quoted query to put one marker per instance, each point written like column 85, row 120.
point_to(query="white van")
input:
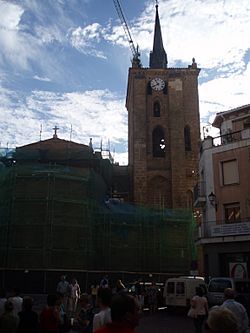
column 217, row 285
column 179, row 291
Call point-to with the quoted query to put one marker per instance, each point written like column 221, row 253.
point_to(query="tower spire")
column 158, row 57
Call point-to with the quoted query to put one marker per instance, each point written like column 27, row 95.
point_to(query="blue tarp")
column 116, row 206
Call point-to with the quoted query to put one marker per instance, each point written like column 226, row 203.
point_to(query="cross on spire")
column 158, row 57
column 55, row 129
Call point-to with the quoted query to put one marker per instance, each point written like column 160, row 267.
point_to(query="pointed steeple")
column 158, row 57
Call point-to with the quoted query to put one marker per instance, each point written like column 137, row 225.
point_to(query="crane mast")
column 135, row 50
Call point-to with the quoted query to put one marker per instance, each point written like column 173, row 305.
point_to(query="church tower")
column 163, row 129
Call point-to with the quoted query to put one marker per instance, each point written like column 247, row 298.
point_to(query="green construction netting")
column 56, row 217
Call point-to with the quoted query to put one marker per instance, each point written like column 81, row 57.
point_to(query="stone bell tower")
column 163, row 129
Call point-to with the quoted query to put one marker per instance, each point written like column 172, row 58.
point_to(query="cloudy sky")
column 65, row 63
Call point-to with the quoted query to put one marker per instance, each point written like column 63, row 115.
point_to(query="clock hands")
column 157, row 84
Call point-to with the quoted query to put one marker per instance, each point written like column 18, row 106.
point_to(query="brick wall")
column 165, row 180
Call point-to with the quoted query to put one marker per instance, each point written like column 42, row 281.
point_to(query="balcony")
column 221, row 229
column 200, row 194
column 231, row 137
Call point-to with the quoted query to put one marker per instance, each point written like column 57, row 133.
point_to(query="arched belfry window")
column 187, row 138
column 157, row 109
column 159, row 145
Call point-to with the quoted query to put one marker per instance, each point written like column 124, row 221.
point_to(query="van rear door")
column 169, row 293
column 180, row 292
column 175, row 293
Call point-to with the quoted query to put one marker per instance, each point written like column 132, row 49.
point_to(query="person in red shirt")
column 124, row 315
column 50, row 317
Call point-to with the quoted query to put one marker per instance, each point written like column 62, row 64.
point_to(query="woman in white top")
column 103, row 317
column 16, row 300
column 199, row 304
column 74, row 295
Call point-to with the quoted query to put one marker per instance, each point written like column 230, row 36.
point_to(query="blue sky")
column 65, row 63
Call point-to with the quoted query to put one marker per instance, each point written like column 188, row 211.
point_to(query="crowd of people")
column 70, row 310
column 230, row 317
column 106, row 310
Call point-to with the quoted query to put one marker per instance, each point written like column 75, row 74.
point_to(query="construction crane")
column 135, row 51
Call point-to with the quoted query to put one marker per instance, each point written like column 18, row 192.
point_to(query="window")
column 157, row 109
column 230, row 174
column 180, row 288
column 170, row 288
column 232, row 212
column 246, row 123
column 159, row 145
column 187, row 138
column 219, row 285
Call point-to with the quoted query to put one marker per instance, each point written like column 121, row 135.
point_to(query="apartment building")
column 222, row 197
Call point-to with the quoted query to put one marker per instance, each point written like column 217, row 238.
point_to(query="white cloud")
column 217, row 36
column 26, row 32
column 17, row 47
column 47, row 21
column 84, row 39
column 223, row 93
column 91, row 114
column 39, row 78
column 121, row 158
column 215, row 32
column 10, row 15
column 48, row 34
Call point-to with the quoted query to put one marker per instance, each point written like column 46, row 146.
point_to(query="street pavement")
column 163, row 322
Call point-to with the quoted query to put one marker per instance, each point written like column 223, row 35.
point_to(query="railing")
column 231, row 137
column 222, row 228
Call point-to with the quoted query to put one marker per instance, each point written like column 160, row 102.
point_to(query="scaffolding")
column 136, row 238
column 55, row 217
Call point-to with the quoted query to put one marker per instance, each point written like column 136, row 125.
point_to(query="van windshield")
column 219, row 285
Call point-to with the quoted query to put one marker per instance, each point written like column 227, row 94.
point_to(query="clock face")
column 157, row 84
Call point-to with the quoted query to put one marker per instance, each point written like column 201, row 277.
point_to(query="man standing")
column 237, row 308
column 103, row 317
column 124, row 315
column 83, row 322
column 63, row 289
column 104, row 282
